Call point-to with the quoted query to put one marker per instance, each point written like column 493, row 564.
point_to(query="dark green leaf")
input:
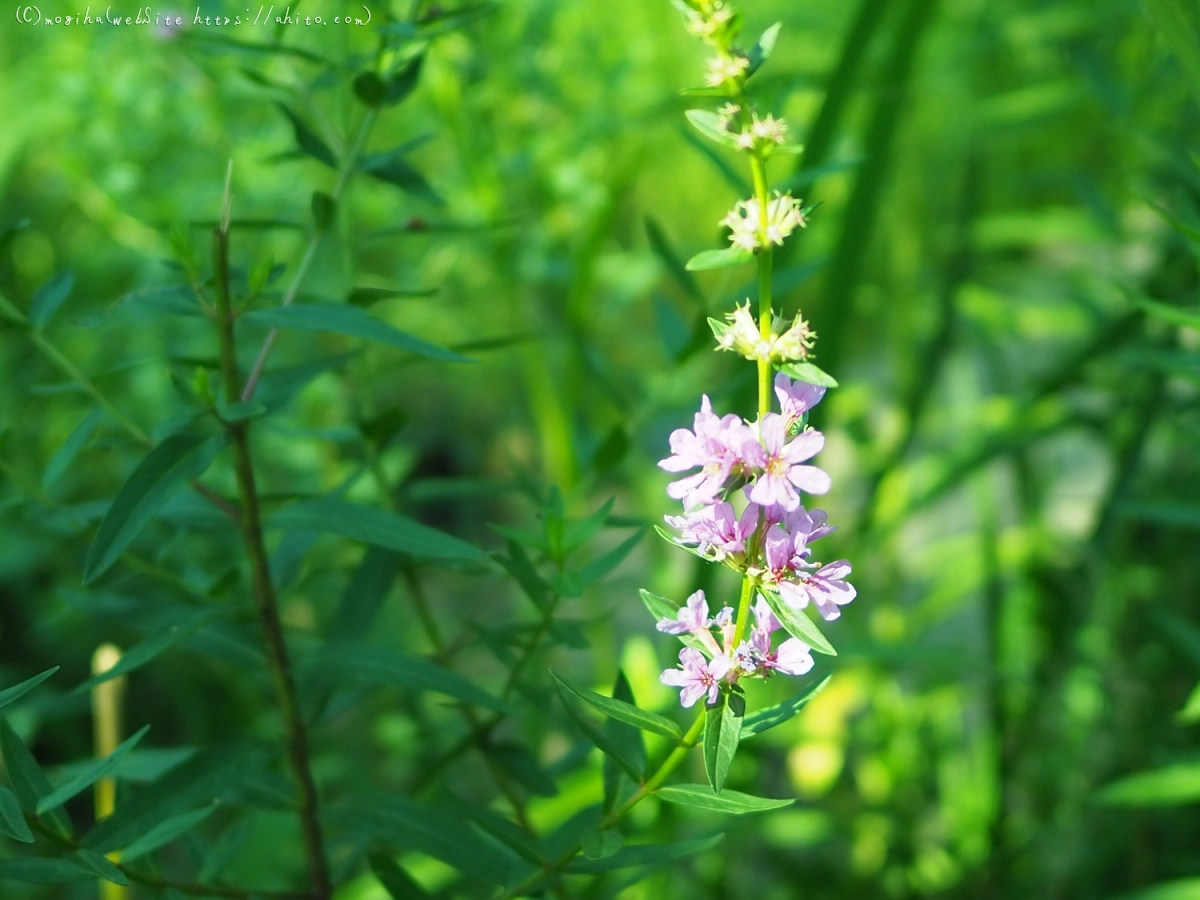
column 806, row 371
column 166, row 831
column 626, row 737
column 611, row 450
column 168, row 467
column 372, row 525
column 65, row 455
column 602, row 565
column 16, row 692
column 278, row 386
column 370, row 89
column 763, row 719
column 350, row 321
column 197, row 780
column 798, row 625
column 719, row 259
column 402, row 82
column 578, row 534
column 523, row 766
column 144, row 651
column 662, row 248
column 394, row 879
column 307, row 139
column 1179, row 22
column 699, row 796
column 377, row 665
column 394, row 169
column 709, row 124
column 722, row 731
column 601, row 844
column 521, row 568
column 368, row 296
column 622, row 711
column 365, row 593
column 597, row 737
column 42, row 871
column 644, row 855
column 94, row 862
column 28, row 780
column 12, row 820
column 506, row 832
column 89, row 775
column 324, row 207
column 49, row 297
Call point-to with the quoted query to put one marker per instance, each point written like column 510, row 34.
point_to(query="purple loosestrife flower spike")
column 713, row 445
column 716, row 530
column 697, row 676
column 780, row 461
column 796, row 398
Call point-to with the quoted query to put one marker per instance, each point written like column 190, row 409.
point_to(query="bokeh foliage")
column 1015, row 442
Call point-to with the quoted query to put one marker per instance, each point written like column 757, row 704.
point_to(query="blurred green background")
column 1015, row 445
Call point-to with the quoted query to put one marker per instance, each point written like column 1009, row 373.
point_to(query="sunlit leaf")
column 798, row 624
column 622, row 711
column 372, row 525
column 644, row 855
column 764, row 719
column 719, row 259
column 350, row 321
column 699, row 796
column 722, row 732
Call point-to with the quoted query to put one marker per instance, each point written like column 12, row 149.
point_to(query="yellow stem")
column 106, row 729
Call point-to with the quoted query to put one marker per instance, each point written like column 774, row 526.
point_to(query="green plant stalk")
column 758, row 169
column 653, row 783
column 264, row 589
column 344, row 173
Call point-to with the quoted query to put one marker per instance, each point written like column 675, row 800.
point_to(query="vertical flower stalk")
column 746, row 482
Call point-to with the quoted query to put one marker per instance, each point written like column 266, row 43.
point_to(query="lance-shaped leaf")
column 378, row 665
column 644, row 855
column 762, row 719
column 797, row 624
column 719, row 259
column 165, row 469
column 65, row 455
column 307, row 140
column 629, row 739
column 12, row 820
column 624, row 712
column 28, row 780
column 522, row 764
column 42, row 871
column 1175, row 785
column 711, row 126
column 602, row 565
column 806, row 371
column 575, row 536
column 761, row 51
column 601, row 844
column 662, row 608
column 166, row 831
column 698, row 796
column 49, row 297
column 1176, row 315
column 89, row 775
column 506, row 832
column 394, row 169
column 351, row 321
column 372, row 525
column 722, row 731
column 94, row 862
column 394, row 879
column 607, row 746
column 16, row 692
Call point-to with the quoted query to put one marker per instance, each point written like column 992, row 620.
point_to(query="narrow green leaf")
column 391, row 167
column 601, row 844
column 709, row 124
column 1179, row 22
column 28, row 780
column 1188, row 317
column 1180, row 889
column 94, row 862
column 324, row 208
column 659, row 607
column 146, row 650
column 522, row 765
column 12, row 820
column 42, row 871
column 644, row 855
column 798, row 625
column 370, row 89
column 806, row 371
column 374, row 526
column 602, row 565
column 722, row 730
column 368, row 296
column 165, row 469
column 377, row 665
column 15, row 693
column 402, row 82
column 578, row 534
column 307, row 139
column 719, row 259
column 629, row 740
column 623, row 712
column 763, row 719
column 350, row 321
column 508, row 833
column 240, row 412
column 596, row 736
column 364, row 595
column 699, row 796
column 89, row 776
column 49, row 297
column 1190, row 714
column 197, row 780
column 65, row 455
column 663, row 249
column 761, row 51
column 278, row 386
column 1175, row 785
column 165, row 832
column 521, row 568
column 394, row 879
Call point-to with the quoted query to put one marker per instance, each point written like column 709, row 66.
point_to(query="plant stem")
column 669, row 765
column 264, row 589
column 743, row 611
column 344, row 173
column 758, row 169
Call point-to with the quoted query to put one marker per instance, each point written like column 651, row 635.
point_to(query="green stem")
column 743, row 611
column 758, row 169
column 264, row 589
column 669, row 765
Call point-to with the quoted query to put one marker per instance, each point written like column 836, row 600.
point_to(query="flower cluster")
column 752, row 231
column 785, row 341
column 713, row 21
column 706, row 663
column 763, row 468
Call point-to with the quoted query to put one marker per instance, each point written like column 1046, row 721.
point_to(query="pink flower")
column 796, row 398
column 714, row 445
column 717, row 529
column 697, row 677
column 780, row 461
column 826, row 587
